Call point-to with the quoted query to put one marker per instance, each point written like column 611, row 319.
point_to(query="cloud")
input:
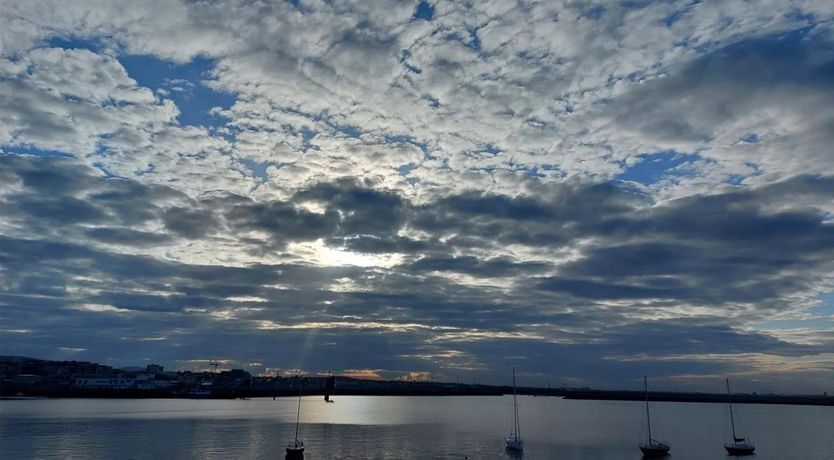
column 65, row 99
column 474, row 266
column 404, row 188
column 763, row 89
column 142, row 295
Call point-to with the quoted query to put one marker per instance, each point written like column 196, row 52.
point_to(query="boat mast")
column 298, row 414
column 730, row 402
column 515, row 408
column 648, row 417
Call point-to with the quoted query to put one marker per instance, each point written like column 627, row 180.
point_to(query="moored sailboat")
column 651, row 447
column 329, row 388
column 513, row 442
column 295, row 449
column 739, row 445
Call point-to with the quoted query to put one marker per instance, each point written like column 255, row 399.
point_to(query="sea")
column 392, row 427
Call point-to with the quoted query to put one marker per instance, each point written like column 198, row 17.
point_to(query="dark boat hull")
column 654, row 452
column 294, row 453
column 733, row 450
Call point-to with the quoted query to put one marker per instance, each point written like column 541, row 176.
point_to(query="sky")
column 590, row 191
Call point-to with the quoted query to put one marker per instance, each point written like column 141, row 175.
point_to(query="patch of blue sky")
column 349, row 130
column 491, row 149
column 816, row 323
column 822, row 317
column 595, row 12
column 654, row 167
column 258, row 169
column 105, row 171
column 424, row 11
column 471, row 40
column 307, row 136
column 413, row 69
column 671, row 19
column 789, row 46
column 405, row 55
column 736, row 179
column 535, row 172
column 751, row 138
column 95, row 45
column 325, row 118
column 474, row 40
column 433, row 102
column 401, row 139
column 635, row 4
column 182, row 83
column 405, row 171
column 826, row 307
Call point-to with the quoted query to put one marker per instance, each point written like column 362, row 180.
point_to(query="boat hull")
column 514, row 445
column 295, row 449
column 740, row 450
column 295, row 452
column 654, row 451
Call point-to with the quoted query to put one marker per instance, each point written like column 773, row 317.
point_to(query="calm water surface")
column 360, row 427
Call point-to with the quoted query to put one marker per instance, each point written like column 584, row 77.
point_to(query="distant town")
column 30, row 377
column 23, row 376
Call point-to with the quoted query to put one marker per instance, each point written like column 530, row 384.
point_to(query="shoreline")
column 429, row 389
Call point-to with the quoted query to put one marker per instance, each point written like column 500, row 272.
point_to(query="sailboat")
column 295, row 449
column 329, row 388
column 652, row 447
column 514, row 442
column 739, row 446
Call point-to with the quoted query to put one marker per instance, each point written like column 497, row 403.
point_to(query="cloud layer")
column 592, row 191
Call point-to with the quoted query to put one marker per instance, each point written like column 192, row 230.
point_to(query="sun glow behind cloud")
column 318, row 253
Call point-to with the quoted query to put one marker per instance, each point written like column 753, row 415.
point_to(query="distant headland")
column 30, row 377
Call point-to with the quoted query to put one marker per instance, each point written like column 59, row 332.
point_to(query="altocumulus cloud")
column 591, row 191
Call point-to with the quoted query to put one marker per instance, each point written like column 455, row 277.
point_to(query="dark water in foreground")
column 358, row 427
